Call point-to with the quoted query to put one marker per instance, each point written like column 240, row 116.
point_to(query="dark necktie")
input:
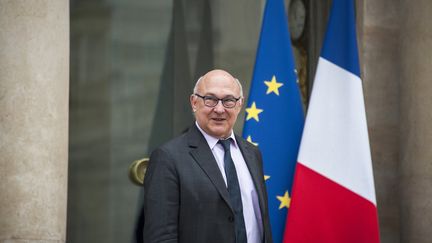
column 234, row 192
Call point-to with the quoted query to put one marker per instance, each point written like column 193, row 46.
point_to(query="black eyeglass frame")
column 214, row 98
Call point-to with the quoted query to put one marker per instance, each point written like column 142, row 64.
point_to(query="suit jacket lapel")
column 254, row 169
column 204, row 157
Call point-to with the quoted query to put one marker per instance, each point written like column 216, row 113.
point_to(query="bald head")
column 217, row 74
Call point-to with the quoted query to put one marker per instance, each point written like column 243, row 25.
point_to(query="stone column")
column 34, row 93
column 416, row 121
column 378, row 31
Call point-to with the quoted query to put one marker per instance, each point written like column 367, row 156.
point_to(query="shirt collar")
column 212, row 141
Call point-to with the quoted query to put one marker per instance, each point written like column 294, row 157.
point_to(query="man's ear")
column 193, row 99
column 241, row 101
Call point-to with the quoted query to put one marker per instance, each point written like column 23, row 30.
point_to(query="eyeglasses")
column 212, row 101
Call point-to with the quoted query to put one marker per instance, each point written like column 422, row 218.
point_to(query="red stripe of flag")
column 326, row 212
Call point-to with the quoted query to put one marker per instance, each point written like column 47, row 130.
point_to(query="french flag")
column 333, row 197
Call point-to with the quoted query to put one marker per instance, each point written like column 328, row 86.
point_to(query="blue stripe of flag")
column 340, row 43
column 280, row 125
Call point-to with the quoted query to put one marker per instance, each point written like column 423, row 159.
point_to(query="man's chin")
column 219, row 132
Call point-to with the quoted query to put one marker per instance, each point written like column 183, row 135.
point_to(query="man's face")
column 216, row 121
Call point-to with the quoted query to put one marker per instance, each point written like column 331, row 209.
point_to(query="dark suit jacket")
column 185, row 197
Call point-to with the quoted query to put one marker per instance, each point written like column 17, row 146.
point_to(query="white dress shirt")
column 249, row 196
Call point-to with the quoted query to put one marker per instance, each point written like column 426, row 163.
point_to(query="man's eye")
column 210, row 98
column 229, row 100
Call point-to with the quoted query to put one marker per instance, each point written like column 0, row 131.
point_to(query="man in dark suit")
column 207, row 185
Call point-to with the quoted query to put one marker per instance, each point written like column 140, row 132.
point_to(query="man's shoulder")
column 169, row 152
column 243, row 142
column 180, row 141
column 189, row 137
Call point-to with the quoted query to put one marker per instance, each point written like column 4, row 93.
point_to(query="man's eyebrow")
column 227, row 96
column 209, row 94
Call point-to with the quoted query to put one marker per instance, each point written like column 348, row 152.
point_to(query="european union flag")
column 274, row 114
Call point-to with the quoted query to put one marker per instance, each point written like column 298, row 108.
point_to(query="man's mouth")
column 219, row 119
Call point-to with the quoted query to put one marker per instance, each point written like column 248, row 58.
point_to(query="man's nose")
column 219, row 108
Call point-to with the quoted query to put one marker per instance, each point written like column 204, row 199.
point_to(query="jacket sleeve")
column 161, row 199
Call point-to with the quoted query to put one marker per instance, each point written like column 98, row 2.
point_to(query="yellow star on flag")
column 253, row 112
column 273, row 86
column 266, row 177
column 285, row 200
column 249, row 139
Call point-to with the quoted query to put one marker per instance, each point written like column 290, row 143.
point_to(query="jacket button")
column 231, row 218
